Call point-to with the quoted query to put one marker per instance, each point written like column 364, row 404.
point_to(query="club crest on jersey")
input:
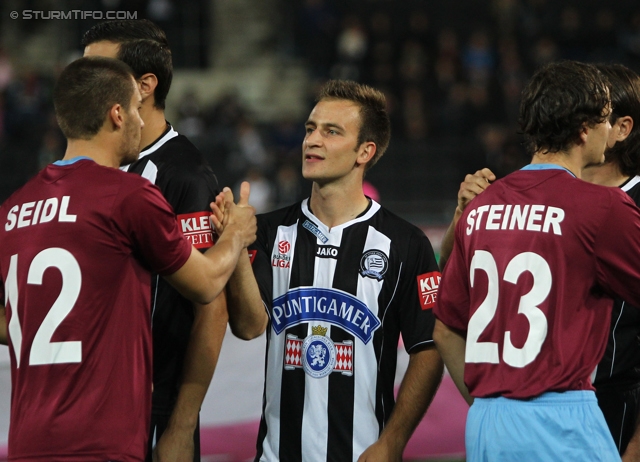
column 313, row 229
column 281, row 259
column 196, row 227
column 318, row 355
column 428, row 284
column 374, row 264
column 306, row 304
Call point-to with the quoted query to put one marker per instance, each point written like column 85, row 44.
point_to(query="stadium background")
column 245, row 75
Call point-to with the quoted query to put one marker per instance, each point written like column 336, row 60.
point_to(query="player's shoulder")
column 388, row 220
column 172, row 150
column 632, row 189
column 284, row 216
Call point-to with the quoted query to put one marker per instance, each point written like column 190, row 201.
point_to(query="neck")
column 607, row 174
column 336, row 204
column 154, row 124
column 570, row 160
column 97, row 148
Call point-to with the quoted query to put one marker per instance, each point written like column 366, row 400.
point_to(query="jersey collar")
column 547, row 167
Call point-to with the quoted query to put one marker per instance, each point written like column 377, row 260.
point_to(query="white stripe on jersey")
column 365, row 428
column 157, row 145
column 150, row 172
column 627, row 187
column 315, row 421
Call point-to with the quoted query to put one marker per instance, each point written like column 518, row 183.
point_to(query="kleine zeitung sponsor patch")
column 428, row 288
column 196, row 227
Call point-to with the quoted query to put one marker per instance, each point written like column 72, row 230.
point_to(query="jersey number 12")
column 43, row 350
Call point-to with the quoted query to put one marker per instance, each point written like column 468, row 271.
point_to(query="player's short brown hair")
column 559, row 101
column 374, row 119
column 85, row 92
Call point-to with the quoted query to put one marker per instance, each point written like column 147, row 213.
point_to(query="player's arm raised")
column 469, row 188
column 247, row 315
column 204, row 276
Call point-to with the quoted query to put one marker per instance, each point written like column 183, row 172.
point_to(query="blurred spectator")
column 262, row 190
column 288, row 185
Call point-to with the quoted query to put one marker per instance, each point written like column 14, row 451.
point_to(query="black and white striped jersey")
column 620, row 365
column 187, row 182
column 338, row 300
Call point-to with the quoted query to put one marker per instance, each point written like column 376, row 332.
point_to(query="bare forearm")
column 247, row 316
column 418, row 387
column 452, row 345
column 632, row 453
column 202, row 354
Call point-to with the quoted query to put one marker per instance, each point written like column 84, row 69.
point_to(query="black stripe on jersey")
column 386, row 341
column 293, row 381
column 341, row 387
column 262, row 430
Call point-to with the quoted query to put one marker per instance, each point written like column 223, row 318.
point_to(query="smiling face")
column 330, row 149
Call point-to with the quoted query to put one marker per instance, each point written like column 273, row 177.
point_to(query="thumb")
column 245, row 190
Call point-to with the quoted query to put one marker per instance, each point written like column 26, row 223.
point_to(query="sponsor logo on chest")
column 306, row 304
column 327, row 251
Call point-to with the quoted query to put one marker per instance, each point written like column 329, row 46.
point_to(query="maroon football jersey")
column 77, row 244
column 536, row 259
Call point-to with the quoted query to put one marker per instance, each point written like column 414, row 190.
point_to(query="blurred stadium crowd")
column 452, row 73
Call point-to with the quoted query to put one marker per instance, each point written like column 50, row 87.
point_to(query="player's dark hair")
column 374, row 119
column 559, row 101
column 143, row 46
column 148, row 56
column 120, row 31
column 85, row 92
column 625, row 101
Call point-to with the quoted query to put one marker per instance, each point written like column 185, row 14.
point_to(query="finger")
column 488, row 174
column 245, row 190
column 228, row 194
column 218, row 214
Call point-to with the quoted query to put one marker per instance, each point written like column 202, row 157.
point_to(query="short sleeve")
column 617, row 249
column 146, row 219
column 453, row 302
column 417, row 293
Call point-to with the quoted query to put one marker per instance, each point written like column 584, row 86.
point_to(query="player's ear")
column 623, row 125
column 147, row 85
column 366, row 152
column 584, row 134
column 116, row 116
